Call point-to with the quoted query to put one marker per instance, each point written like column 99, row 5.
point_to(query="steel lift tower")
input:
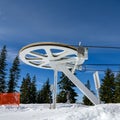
column 58, row 57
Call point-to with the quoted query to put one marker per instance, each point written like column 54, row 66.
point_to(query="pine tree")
column 25, row 89
column 44, row 95
column 14, row 75
column 3, row 64
column 117, row 88
column 107, row 90
column 33, row 91
column 86, row 101
column 67, row 92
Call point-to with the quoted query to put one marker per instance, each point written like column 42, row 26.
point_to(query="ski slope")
column 62, row 112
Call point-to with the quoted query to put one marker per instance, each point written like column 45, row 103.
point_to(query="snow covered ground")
column 62, row 112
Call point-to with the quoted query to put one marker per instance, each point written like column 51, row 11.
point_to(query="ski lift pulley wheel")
column 45, row 54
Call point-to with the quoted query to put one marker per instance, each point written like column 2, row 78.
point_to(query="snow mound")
column 62, row 112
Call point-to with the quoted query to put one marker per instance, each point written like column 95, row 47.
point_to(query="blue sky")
column 92, row 22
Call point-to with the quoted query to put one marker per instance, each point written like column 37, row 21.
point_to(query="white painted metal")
column 79, row 84
column 96, row 80
column 97, row 84
column 41, row 55
column 59, row 57
column 55, row 89
column 51, row 87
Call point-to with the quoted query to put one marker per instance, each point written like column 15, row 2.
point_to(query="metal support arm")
column 55, row 89
column 79, row 84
